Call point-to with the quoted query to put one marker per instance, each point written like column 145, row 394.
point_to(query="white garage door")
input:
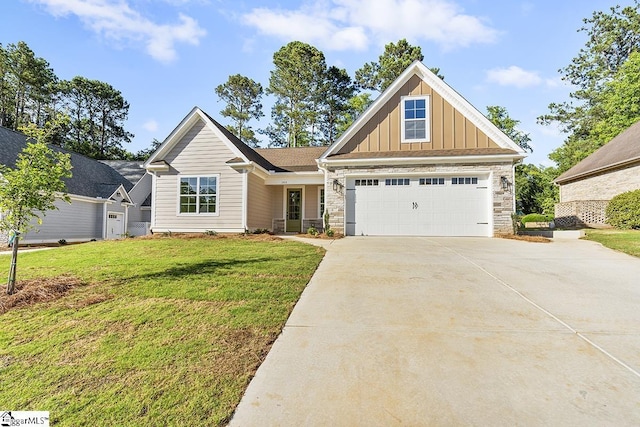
column 419, row 206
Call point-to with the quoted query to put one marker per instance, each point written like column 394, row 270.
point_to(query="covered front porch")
column 287, row 203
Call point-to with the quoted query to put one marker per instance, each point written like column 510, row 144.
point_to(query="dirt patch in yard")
column 29, row 292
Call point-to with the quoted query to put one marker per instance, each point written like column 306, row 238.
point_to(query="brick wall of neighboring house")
column 502, row 200
column 579, row 213
column 603, row 186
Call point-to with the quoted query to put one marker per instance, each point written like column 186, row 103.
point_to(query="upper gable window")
column 415, row 118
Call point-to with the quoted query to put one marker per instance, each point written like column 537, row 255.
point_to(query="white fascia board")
column 597, row 171
column 420, row 160
column 440, row 87
column 295, row 178
column 82, row 198
column 125, row 194
column 251, row 167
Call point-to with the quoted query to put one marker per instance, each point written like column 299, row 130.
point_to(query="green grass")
column 627, row 241
column 166, row 331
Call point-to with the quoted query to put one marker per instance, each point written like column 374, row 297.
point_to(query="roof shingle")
column 622, row 150
column 89, row 177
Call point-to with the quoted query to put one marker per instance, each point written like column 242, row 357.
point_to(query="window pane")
column 409, row 104
column 207, row 204
column 420, row 103
column 440, row 181
column 188, row 185
column 188, row 204
column 409, row 114
column 420, row 114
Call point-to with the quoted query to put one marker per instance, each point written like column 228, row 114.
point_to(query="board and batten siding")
column 449, row 128
column 199, row 153
column 75, row 222
column 259, row 212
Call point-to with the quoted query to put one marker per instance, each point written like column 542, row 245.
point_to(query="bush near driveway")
column 623, row 211
column 159, row 332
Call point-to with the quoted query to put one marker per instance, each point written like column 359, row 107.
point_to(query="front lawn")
column 165, row 331
column 627, row 241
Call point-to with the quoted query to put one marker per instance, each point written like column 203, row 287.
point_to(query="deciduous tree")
column 586, row 119
column 500, row 117
column 29, row 190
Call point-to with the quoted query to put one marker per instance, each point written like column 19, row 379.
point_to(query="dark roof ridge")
column 247, row 151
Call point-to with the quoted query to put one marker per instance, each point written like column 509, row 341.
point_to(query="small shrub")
column 534, row 217
column 210, row 233
column 329, row 233
column 327, row 226
column 62, row 242
column 261, row 231
column 516, row 222
column 623, row 211
column 312, row 231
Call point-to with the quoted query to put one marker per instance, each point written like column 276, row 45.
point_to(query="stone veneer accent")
column 502, row 200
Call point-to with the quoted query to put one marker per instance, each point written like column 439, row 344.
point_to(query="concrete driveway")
column 457, row 331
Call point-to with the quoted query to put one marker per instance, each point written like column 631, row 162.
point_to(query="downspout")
column 154, row 176
column 245, row 196
column 104, row 220
column 325, row 171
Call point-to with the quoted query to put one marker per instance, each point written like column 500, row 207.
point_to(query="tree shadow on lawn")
column 210, row 267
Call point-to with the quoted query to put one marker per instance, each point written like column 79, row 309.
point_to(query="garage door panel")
column 427, row 210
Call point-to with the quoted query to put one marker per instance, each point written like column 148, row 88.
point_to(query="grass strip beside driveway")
column 166, row 332
column 627, row 241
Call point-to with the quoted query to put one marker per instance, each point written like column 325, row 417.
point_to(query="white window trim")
column 207, row 175
column 427, row 120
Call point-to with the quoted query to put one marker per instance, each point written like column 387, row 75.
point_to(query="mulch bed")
column 525, row 238
column 29, row 292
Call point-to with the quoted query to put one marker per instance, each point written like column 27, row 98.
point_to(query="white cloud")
column 150, row 125
column 354, row 24
column 514, row 76
column 116, row 20
column 308, row 26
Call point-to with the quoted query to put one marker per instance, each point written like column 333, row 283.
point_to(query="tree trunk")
column 11, row 283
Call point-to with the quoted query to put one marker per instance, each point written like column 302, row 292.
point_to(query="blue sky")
column 166, row 56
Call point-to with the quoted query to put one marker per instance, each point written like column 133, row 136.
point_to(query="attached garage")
column 425, row 205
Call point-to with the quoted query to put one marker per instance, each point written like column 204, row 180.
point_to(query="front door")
column 294, row 211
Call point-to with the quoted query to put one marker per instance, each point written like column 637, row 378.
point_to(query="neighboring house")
column 420, row 161
column 587, row 188
column 139, row 218
column 100, row 200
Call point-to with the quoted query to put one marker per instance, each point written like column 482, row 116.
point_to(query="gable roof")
column 89, row 178
column 622, row 150
column 241, row 150
column 132, row 170
column 298, row 159
column 446, row 92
